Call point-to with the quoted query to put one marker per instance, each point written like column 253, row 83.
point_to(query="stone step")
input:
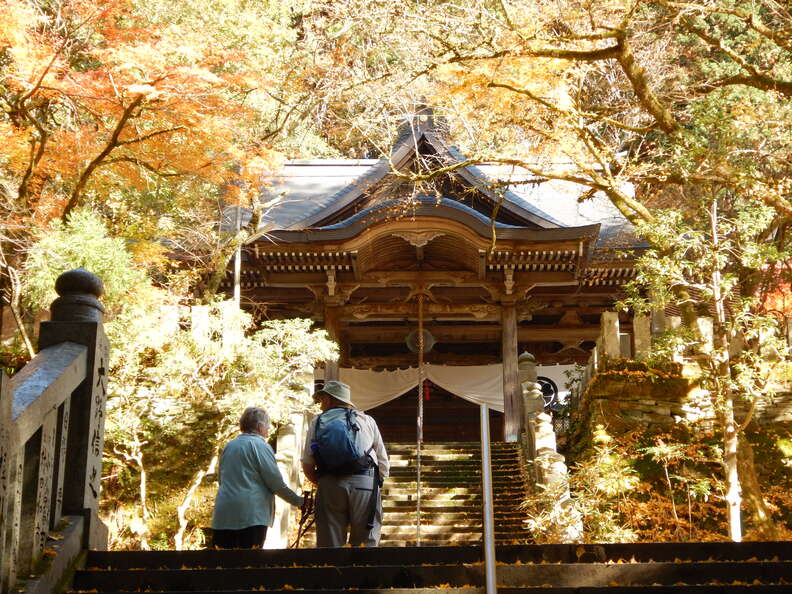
column 514, row 488
column 681, row 589
column 402, row 459
column 453, row 466
column 452, row 489
column 471, row 473
column 451, row 474
column 465, row 445
column 409, row 523
column 458, row 456
column 472, row 486
column 411, row 576
column 398, row 515
column 450, row 528
column 452, row 457
column 616, row 553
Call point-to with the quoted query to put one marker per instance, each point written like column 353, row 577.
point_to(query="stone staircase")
column 451, row 501
column 668, row 568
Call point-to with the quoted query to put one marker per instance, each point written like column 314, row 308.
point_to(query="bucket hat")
column 338, row 390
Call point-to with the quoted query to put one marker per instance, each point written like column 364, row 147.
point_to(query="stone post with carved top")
column 76, row 316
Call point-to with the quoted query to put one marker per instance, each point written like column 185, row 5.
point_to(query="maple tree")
column 91, row 98
column 655, row 104
column 655, row 94
column 155, row 117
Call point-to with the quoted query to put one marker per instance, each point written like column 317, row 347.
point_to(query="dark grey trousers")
column 342, row 510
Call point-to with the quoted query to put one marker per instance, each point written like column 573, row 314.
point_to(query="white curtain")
column 480, row 384
column 372, row 388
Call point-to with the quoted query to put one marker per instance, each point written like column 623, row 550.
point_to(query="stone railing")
column 612, row 343
column 51, row 440
column 546, row 466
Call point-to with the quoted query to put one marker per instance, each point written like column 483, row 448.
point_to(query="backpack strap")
column 374, row 493
column 352, row 423
column 319, row 418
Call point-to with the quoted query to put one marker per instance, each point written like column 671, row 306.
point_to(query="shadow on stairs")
column 703, row 568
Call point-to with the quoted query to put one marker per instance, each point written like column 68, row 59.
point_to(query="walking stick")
column 307, row 518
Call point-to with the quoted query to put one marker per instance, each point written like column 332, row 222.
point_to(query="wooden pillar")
column 333, row 327
column 512, row 395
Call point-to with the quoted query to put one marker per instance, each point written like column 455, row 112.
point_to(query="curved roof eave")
column 429, row 206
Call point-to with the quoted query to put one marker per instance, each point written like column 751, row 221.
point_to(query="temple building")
column 488, row 259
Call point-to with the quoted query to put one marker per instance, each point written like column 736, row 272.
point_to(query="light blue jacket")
column 248, row 478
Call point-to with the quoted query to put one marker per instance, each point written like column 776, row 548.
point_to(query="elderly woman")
column 249, row 476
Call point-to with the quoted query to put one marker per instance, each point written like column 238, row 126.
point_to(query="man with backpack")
column 345, row 457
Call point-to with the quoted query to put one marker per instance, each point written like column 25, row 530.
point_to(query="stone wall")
column 627, row 395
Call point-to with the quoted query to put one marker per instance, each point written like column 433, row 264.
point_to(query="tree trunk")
column 144, row 544
column 181, row 511
column 720, row 360
column 13, row 299
column 733, row 492
column 762, row 520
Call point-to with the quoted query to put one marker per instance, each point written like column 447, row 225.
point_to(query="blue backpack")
column 336, row 445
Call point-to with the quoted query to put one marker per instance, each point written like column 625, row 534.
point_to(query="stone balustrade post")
column 642, row 336
column 76, row 316
column 549, row 467
column 611, row 342
column 705, row 330
column 532, row 401
column 199, row 324
column 287, row 456
column 673, row 323
column 10, row 489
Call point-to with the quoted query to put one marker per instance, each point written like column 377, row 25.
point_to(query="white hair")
column 254, row 419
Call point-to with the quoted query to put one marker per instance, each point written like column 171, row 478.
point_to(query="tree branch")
column 112, row 143
column 151, row 135
column 637, row 77
column 142, row 164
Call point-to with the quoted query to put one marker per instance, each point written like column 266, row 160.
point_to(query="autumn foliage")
column 95, row 99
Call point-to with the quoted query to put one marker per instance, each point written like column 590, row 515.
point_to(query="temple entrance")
column 447, row 418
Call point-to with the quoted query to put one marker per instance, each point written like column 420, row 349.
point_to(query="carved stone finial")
column 526, row 368
column 525, row 359
column 79, row 292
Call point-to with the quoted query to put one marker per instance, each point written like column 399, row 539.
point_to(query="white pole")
column 419, row 422
column 486, row 493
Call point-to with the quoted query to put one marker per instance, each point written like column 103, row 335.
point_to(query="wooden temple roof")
column 354, row 241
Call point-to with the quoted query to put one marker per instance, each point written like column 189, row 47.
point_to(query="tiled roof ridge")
column 422, row 199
